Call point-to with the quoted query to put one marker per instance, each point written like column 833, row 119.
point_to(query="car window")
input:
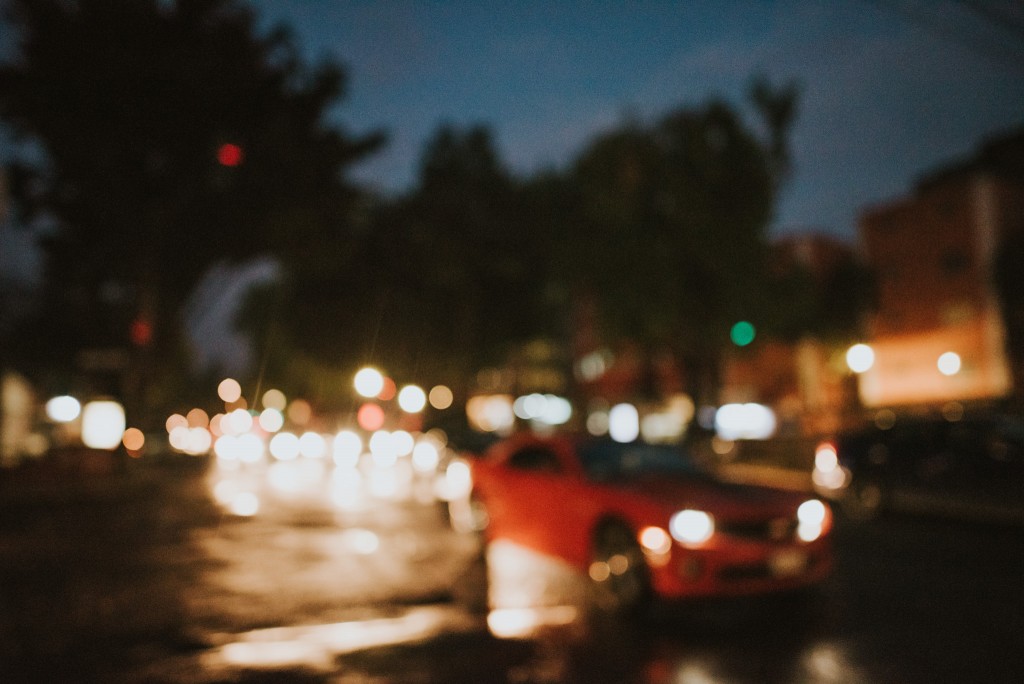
column 535, row 459
column 603, row 461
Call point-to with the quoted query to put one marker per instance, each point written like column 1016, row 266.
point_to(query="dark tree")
column 673, row 235
column 171, row 136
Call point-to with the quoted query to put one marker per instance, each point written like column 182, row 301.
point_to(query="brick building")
column 932, row 254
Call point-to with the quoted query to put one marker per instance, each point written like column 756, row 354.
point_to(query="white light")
column 63, row 409
column 624, row 423
column 412, row 399
column 458, row 480
column 237, row 422
column 103, row 424
column 860, row 358
column 811, row 514
column 425, row 457
column 312, row 445
column 745, row 421
column 347, row 448
column 284, row 446
column 271, row 419
column 402, row 442
column 383, row 449
column 250, row 448
column 691, row 527
column 949, row 363
column 369, row 382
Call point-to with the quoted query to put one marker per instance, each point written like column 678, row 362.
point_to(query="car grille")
column 776, row 529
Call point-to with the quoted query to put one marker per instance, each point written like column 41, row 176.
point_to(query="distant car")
column 970, row 467
column 643, row 521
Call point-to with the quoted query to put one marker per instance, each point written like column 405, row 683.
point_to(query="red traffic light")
column 229, row 154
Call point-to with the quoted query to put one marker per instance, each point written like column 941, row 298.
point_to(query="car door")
column 532, row 498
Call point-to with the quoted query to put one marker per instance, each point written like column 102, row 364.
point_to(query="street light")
column 860, row 358
column 369, row 382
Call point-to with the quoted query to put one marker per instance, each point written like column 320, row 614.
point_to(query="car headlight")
column 812, row 516
column 691, row 527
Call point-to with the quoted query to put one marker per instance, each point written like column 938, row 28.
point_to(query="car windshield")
column 603, row 461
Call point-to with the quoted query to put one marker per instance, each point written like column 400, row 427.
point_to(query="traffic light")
column 742, row 333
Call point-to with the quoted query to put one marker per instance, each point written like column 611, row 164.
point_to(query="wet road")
column 167, row 576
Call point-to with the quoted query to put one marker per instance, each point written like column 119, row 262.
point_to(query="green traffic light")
column 742, row 334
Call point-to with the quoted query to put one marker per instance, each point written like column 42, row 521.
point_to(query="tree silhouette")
column 167, row 137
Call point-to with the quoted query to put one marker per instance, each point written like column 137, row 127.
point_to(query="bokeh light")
column 63, row 409
column 103, row 424
column 412, row 399
column 860, row 358
column 369, row 382
column 370, row 417
column 133, row 440
column 949, row 363
column 274, row 399
column 229, row 390
column 441, row 397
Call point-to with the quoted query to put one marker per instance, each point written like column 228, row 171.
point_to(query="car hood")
column 721, row 499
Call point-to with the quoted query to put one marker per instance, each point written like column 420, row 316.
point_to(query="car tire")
column 863, row 500
column 619, row 571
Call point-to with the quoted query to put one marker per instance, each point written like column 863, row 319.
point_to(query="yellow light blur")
column 369, row 382
column 245, row 504
column 274, row 399
column 362, row 541
column 175, row 420
column 229, row 390
column 518, row 623
column 197, row 417
column 63, row 409
column 412, row 399
column 825, row 458
column 103, row 424
column 655, row 540
column 491, row 413
column 300, row 412
column 441, row 397
column 133, row 439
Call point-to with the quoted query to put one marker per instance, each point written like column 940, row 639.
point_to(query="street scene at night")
column 397, row 342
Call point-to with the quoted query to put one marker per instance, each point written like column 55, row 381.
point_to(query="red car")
column 643, row 521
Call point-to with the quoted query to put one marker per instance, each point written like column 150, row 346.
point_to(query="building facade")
column 937, row 330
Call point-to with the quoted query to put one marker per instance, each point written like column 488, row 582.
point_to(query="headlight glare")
column 691, row 527
column 812, row 516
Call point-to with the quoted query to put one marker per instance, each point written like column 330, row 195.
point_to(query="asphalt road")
column 149, row 576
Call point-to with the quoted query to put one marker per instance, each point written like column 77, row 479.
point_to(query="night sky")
column 890, row 89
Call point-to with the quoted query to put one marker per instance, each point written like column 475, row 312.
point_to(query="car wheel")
column 863, row 500
column 619, row 571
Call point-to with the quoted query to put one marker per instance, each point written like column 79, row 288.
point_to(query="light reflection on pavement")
column 374, row 586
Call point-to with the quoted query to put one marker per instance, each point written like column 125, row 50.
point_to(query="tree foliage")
column 674, row 226
column 129, row 104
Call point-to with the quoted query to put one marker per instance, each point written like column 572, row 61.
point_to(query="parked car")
column 963, row 466
column 643, row 521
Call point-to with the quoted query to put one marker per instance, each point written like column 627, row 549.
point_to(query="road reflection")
column 323, row 541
